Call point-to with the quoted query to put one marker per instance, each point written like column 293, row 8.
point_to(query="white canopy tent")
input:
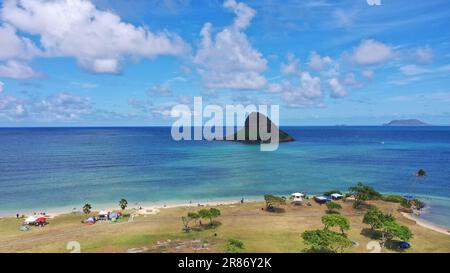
column 336, row 196
column 297, row 195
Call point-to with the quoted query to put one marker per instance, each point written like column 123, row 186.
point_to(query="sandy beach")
column 426, row 224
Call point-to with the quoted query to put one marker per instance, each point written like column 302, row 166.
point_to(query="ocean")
column 50, row 168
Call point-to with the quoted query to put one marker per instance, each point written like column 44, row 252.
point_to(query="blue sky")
column 127, row 63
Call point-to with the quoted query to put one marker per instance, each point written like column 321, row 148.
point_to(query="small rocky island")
column 254, row 129
column 406, row 122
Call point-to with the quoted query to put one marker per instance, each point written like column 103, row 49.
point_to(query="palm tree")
column 87, row 208
column 123, row 203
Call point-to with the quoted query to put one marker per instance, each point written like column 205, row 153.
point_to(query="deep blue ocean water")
column 44, row 168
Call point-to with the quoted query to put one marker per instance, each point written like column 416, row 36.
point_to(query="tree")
column 187, row 219
column 421, row 173
column 325, row 241
column 123, row 203
column 234, row 246
column 392, row 229
column 374, row 218
column 209, row 214
column 363, row 193
column 272, row 200
column 87, row 208
column 336, row 220
column 332, row 206
column 387, row 225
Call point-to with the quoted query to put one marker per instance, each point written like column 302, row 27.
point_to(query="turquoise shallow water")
column 44, row 168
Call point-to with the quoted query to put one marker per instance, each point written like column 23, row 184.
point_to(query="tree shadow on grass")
column 206, row 226
column 372, row 234
column 376, row 235
column 275, row 210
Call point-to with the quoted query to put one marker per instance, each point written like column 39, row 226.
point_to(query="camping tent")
column 336, row 196
column 297, row 195
column 30, row 220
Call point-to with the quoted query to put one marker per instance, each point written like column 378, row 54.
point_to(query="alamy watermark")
column 215, row 122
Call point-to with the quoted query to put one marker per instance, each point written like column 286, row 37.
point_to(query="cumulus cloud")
column 98, row 39
column 15, row 47
column 307, row 93
column 227, row 60
column 62, row 106
column 291, row 66
column 11, row 108
column 17, row 70
column 371, row 52
column 337, row 89
column 318, row 62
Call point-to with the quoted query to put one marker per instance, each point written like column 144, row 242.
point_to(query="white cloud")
column 162, row 89
column 307, row 93
column 318, row 62
column 98, row 39
column 337, row 89
column 372, row 52
column 228, row 60
column 62, row 106
column 424, row 54
column 17, row 70
column 15, row 47
column 412, row 69
column 291, row 66
column 11, row 108
column 2, row 85
column 368, row 74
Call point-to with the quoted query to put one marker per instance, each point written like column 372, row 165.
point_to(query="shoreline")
column 426, row 224
column 149, row 208
column 143, row 208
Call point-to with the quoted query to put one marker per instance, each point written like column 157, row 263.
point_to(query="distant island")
column 406, row 122
column 254, row 128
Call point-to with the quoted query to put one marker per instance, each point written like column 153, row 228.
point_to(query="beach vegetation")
column 87, row 208
column 187, row 220
column 413, row 204
column 209, row 214
column 375, row 218
column 328, row 193
column 272, row 200
column 362, row 193
column 332, row 207
column 123, row 203
column 393, row 198
column 325, row 241
column 387, row 226
column 234, row 246
column 336, row 220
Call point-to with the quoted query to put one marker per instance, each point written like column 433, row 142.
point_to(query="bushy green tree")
column 336, row 220
column 187, row 219
column 325, row 241
column 209, row 214
column 362, row 193
column 234, row 246
column 273, row 200
column 332, row 206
